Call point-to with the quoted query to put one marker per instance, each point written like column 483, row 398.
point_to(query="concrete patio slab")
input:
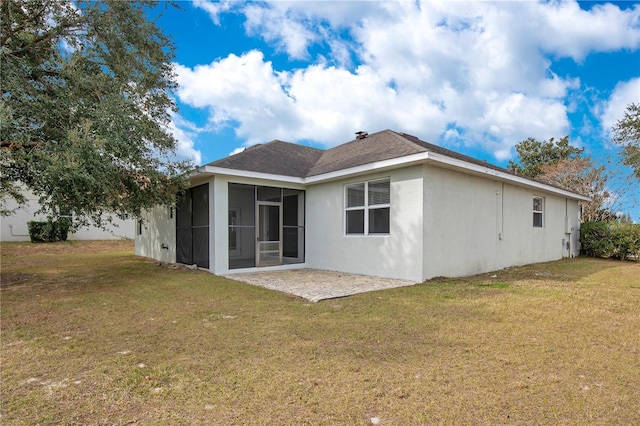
column 316, row 285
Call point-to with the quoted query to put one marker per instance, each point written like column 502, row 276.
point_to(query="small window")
column 367, row 208
column 379, row 221
column 355, row 195
column 355, row 221
column 538, row 212
column 140, row 227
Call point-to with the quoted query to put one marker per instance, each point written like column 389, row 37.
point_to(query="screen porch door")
column 269, row 233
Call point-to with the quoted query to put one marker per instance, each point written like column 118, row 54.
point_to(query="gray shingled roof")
column 379, row 146
column 276, row 157
column 452, row 154
column 289, row 159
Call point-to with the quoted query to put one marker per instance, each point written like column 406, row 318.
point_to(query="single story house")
column 385, row 204
column 14, row 227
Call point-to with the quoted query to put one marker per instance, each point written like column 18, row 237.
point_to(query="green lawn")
column 94, row 335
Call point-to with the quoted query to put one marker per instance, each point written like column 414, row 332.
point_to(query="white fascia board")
column 211, row 170
column 392, row 163
column 197, row 171
column 518, row 180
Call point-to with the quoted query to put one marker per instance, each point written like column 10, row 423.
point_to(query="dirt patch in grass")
column 558, row 271
column 108, row 338
column 8, row 280
column 65, row 248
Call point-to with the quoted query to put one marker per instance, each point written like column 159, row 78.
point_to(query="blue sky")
column 475, row 77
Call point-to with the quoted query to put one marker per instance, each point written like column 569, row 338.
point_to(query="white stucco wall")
column 474, row 224
column 460, row 230
column 14, row 227
column 157, row 238
column 396, row 255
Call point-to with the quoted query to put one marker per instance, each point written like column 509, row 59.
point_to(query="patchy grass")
column 93, row 335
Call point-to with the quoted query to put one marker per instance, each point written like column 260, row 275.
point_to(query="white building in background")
column 14, row 227
column 385, row 204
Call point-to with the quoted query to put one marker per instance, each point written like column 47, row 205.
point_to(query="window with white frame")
column 538, row 212
column 367, row 207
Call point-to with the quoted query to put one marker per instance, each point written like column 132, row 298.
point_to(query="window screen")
column 355, row 195
column 355, row 222
column 379, row 192
column 379, row 221
column 192, row 226
column 538, row 212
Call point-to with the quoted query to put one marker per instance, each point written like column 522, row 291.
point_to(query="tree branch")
column 12, row 31
column 13, row 145
column 49, row 35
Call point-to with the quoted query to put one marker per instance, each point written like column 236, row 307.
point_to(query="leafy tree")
column 581, row 176
column 534, row 154
column 627, row 133
column 560, row 164
column 86, row 100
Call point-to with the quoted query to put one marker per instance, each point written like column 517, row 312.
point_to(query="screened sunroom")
column 266, row 226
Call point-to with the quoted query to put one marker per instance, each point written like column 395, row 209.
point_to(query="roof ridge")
column 398, row 136
column 297, row 144
column 276, row 157
column 402, row 137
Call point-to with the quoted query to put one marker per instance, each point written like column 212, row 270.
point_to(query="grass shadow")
column 565, row 270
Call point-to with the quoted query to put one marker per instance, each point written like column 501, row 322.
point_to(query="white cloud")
column 184, row 133
column 237, row 150
column 574, row 32
column 214, row 8
column 276, row 25
column 613, row 109
column 241, row 89
column 478, row 73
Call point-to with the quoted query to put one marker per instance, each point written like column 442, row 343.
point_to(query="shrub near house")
column 48, row 231
column 611, row 239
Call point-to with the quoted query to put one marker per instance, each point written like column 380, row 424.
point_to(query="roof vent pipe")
column 361, row 135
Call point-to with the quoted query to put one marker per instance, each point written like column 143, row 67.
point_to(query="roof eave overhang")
column 477, row 169
column 394, row 163
column 212, row 171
